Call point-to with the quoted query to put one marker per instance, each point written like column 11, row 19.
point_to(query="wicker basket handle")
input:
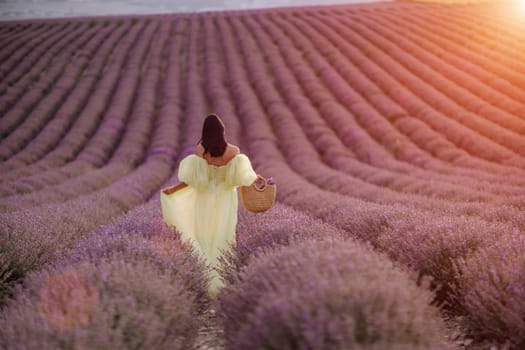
column 264, row 183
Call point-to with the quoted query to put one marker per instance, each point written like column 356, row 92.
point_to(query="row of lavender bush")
column 44, row 97
column 47, row 50
column 410, row 73
column 297, row 283
column 444, row 255
column 134, row 145
column 128, row 285
column 313, row 87
column 109, row 132
column 86, row 123
column 345, row 185
column 106, row 268
column 295, row 80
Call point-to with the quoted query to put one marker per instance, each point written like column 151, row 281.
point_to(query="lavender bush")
column 329, row 294
column 432, row 245
column 492, row 290
column 280, row 226
column 103, row 305
column 142, row 236
column 31, row 238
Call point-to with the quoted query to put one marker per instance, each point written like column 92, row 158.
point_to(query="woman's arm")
column 171, row 189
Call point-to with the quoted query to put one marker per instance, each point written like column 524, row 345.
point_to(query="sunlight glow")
column 521, row 6
column 512, row 10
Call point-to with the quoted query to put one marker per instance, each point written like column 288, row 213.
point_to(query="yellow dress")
column 205, row 212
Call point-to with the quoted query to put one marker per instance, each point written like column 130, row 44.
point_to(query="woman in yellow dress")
column 204, row 208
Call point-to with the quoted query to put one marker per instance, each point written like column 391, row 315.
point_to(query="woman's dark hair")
column 213, row 136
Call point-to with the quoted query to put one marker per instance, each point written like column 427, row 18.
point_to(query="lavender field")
column 395, row 132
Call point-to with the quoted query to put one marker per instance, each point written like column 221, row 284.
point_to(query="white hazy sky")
column 12, row 9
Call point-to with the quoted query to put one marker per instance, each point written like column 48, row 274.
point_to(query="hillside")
column 400, row 125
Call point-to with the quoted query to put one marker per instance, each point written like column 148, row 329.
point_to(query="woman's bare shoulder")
column 234, row 150
column 231, row 152
column 199, row 150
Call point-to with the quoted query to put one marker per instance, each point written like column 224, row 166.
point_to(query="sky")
column 15, row 9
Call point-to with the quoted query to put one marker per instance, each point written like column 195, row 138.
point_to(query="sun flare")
column 519, row 8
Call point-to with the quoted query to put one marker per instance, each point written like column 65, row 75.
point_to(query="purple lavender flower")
column 104, row 304
column 328, row 294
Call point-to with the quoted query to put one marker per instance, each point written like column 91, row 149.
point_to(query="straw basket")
column 259, row 196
